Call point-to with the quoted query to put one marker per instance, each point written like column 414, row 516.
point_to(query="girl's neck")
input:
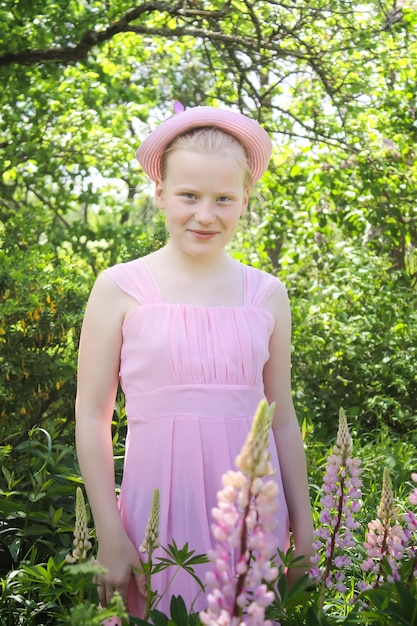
column 192, row 265
column 212, row 281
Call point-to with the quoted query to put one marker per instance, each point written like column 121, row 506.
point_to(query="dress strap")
column 259, row 286
column 136, row 279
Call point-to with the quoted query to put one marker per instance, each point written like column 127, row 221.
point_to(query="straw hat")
column 251, row 135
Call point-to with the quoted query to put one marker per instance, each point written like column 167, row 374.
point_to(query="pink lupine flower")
column 385, row 537
column 341, row 501
column 81, row 542
column 410, row 531
column 413, row 494
column 244, row 521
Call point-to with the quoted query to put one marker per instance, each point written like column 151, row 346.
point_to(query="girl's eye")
column 224, row 199
column 188, row 196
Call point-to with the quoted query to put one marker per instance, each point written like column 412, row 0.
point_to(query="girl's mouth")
column 203, row 234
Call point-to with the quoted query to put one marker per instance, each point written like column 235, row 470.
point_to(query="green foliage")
column 41, row 313
column 388, row 605
column 38, row 486
column 36, row 504
column 355, row 339
column 335, row 86
column 44, row 289
column 54, row 593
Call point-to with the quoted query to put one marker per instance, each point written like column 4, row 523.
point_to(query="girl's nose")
column 205, row 213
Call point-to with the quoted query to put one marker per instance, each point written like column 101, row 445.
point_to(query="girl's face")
column 203, row 195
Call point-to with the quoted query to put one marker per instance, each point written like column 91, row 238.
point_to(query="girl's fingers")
column 140, row 583
column 123, row 593
column 102, row 596
column 109, row 589
column 106, row 590
column 99, row 588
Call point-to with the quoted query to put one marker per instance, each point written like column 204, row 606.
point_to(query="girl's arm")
column 287, row 435
column 98, row 373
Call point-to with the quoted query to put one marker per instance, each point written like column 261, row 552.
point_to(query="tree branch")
column 42, row 198
column 92, row 38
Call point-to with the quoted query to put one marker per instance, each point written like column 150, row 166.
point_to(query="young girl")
column 196, row 340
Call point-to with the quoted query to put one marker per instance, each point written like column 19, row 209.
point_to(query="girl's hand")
column 119, row 556
column 300, row 567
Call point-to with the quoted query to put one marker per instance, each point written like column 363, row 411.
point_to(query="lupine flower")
column 413, row 494
column 341, row 500
column 386, row 510
column 151, row 540
column 149, row 544
column 385, row 537
column 244, row 521
column 410, row 532
column 81, row 542
column 253, row 459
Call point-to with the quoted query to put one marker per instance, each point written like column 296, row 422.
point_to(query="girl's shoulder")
column 124, row 268
column 134, row 278
column 260, row 285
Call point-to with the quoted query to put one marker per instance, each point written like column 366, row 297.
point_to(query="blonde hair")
column 210, row 139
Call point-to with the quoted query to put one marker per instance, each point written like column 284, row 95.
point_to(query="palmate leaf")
column 183, row 558
column 184, row 555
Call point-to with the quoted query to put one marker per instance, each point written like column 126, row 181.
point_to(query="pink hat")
column 251, row 135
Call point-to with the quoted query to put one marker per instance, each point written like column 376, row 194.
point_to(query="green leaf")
column 178, row 610
column 158, row 618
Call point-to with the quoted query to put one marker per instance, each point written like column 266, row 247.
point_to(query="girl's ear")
column 245, row 202
column 159, row 195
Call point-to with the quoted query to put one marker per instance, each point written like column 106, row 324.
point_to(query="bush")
column 354, row 339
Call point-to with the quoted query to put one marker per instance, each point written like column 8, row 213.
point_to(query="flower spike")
column 151, row 540
column 81, row 542
column 243, row 528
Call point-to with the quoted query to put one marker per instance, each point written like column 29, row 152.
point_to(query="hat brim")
column 251, row 135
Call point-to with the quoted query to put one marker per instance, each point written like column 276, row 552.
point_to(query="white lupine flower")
column 81, row 542
column 151, row 540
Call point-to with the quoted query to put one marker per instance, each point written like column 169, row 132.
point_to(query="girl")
column 197, row 340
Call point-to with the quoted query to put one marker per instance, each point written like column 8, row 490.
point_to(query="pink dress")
column 192, row 378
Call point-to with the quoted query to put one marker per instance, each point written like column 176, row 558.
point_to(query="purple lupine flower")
column 341, row 501
column 244, row 523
